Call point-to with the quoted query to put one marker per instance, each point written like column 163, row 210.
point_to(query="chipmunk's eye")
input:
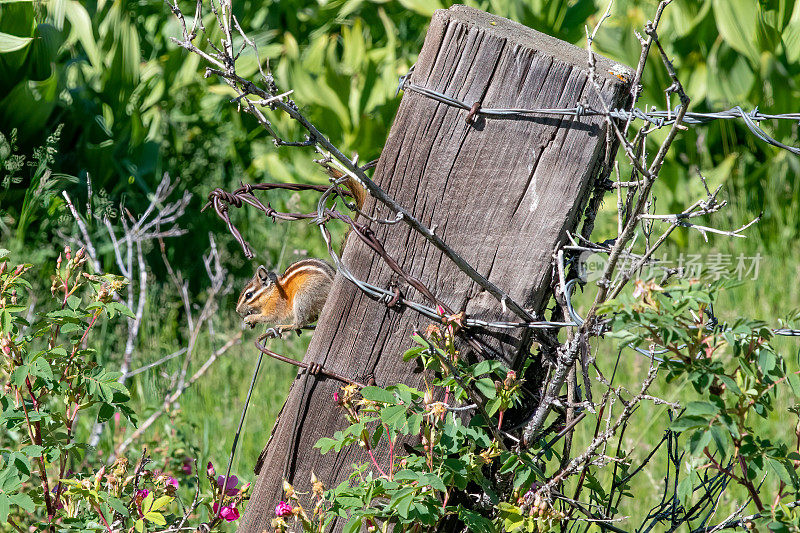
column 248, row 295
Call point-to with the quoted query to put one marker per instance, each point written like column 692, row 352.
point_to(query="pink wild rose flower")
column 229, row 513
column 283, row 509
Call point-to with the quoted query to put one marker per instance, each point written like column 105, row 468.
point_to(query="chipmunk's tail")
column 353, row 185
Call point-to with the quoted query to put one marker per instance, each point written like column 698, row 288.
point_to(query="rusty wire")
column 313, row 369
column 220, row 200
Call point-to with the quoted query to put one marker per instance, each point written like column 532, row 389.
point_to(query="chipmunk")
column 300, row 293
column 296, row 297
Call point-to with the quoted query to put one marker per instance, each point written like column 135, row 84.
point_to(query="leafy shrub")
column 456, row 472
column 50, row 477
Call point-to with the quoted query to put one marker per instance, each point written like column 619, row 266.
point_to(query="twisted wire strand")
column 657, row 118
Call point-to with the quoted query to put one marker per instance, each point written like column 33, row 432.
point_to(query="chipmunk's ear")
column 264, row 275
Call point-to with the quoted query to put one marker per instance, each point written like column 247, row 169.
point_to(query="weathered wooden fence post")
column 501, row 192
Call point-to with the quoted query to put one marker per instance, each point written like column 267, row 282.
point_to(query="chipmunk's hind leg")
column 307, row 308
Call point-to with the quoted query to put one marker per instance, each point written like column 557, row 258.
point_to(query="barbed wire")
column 221, row 199
column 658, row 118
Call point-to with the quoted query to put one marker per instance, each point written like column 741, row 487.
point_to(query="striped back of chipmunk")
column 307, row 266
column 257, row 289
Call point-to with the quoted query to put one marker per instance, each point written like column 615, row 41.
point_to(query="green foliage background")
column 128, row 105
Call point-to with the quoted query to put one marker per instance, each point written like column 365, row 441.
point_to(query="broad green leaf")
column 394, row 416
column 81, row 29
column 161, row 502
column 698, row 441
column 5, row 507
column 353, row 525
column 721, row 439
column 701, row 409
column 422, row 7
column 156, row 518
column 17, row 21
column 434, row 481
column 44, row 51
column 23, row 501
column 30, row 104
column 684, row 490
column 783, row 472
column 377, row 394
column 5, row 322
column 475, row 522
column 687, row 422
column 486, row 387
column 737, row 21
column 118, row 506
column 12, row 43
column 791, row 39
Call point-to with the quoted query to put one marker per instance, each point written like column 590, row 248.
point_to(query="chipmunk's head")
column 258, row 298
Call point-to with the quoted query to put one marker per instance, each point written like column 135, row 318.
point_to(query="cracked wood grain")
column 502, row 192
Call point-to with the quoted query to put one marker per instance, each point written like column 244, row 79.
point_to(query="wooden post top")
column 521, row 35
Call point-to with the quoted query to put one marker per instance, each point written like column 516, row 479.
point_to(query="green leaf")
column 147, row 502
column 698, row 441
column 684, row 490
column 118, row 506
column 737, row 22
column 353, row 525
column 105, row 412
column 5, row 322
column 82, row 30
column 33, row 450
column 721, row 439
column 782, row 470
column 12, row 43
column 5, row 507
column 412, row 353
column 156, row 518
column 688, row 422
column 23, row 501
column 325, row 445
column 434, row 481
column 73, row 302
column 701, row 409
column 402, row 501
column 41, row 368
column 794, row 383
column 30, row 103
column 475, row 522
column 377, row 394
column 485, row 366
column 394, row 416
column 486, row 387
column 731, row 384
column 161, row 502
column 766, row 361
